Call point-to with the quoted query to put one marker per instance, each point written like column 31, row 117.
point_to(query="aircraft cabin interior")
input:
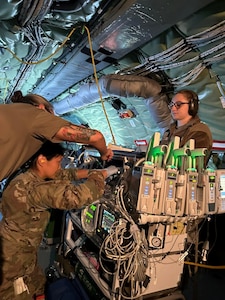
column 116, row 66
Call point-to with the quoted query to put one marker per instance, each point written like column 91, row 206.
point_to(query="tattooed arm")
column 83, row 135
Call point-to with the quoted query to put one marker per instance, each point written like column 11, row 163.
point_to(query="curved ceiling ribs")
column 45, row 49
column 129, row 25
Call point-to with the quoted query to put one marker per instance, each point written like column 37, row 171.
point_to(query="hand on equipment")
column 108, row 155
column 111, row 170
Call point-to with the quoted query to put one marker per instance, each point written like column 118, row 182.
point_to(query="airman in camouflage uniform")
column 25, row 207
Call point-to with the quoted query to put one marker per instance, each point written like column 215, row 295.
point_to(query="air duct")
column 141, row 87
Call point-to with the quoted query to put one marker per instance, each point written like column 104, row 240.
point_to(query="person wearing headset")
column 28, row 122
column 187, row 124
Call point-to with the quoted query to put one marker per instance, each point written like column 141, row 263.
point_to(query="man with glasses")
column 187, row 124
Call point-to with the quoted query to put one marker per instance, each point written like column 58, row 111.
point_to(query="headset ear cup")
column 191, row 107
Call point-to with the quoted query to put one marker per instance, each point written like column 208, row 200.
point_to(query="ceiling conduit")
column 68, row 6
column 144, row 88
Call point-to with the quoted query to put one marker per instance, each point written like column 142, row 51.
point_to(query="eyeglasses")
column 177, row 104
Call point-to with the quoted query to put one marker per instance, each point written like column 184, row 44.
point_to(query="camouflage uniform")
column 25, row 206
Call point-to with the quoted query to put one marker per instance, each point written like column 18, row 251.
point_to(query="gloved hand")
column 111, row 170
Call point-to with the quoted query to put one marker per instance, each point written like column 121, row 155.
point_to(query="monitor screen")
column 222, row 185
column 107, row 220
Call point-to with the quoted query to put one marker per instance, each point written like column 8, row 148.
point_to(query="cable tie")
column 182, row 257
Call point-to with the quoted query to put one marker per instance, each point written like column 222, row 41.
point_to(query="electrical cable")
column 46, row 58
column 127, row 246
column 171, row 57
column 97, row 83
column 204, row 265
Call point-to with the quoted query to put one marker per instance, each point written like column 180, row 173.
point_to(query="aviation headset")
column 192, row 97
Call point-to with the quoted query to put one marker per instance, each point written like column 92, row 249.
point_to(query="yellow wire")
column 204, row 266
column 93, row 63
column 97, row 83
column 44, row 59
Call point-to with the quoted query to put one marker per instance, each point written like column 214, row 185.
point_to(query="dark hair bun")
column 17, row 97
